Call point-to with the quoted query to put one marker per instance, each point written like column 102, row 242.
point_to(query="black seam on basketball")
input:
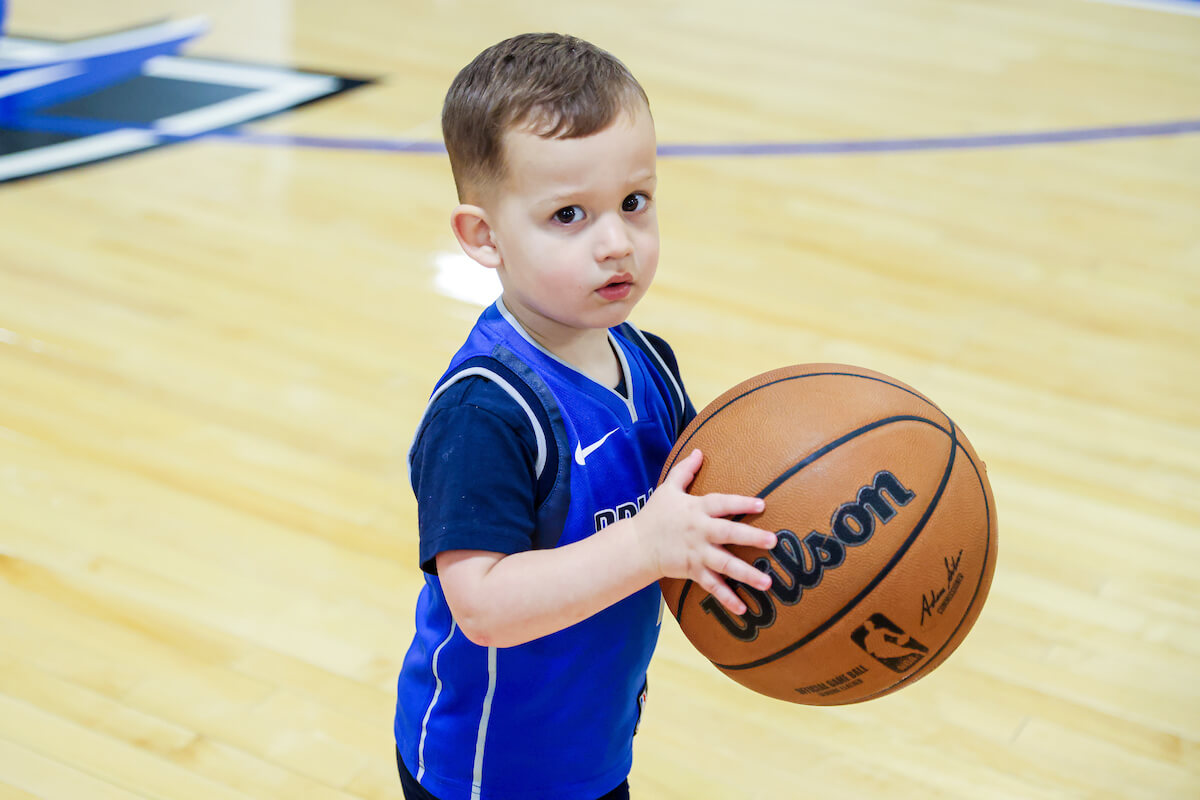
column 879, row 576
column 704, row 421
column 815, row 455
column 683, row 593
column 926, row 668
column 749, row 392
column 787, row 474
column 679, row 448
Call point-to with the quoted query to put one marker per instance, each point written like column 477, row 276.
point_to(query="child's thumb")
column 684, row 472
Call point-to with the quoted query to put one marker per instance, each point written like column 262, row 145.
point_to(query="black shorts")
column 415, row 791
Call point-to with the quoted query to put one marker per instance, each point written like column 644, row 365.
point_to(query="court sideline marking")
column 783, row 148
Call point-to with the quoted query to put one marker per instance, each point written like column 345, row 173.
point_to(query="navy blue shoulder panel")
column 554, row 480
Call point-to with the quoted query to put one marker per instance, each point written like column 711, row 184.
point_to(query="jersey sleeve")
column 473, row 473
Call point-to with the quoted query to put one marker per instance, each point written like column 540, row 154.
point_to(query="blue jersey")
column 552, row 719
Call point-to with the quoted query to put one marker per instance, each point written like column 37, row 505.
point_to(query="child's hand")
column 684, row 535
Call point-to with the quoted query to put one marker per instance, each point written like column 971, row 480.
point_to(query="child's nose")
column 613, row 238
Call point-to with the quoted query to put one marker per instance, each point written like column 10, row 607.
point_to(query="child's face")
column 575, row 226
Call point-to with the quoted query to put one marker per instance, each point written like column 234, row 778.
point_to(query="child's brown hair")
column 560, row 86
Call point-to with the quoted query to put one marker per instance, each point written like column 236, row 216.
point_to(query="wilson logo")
column 803, row 562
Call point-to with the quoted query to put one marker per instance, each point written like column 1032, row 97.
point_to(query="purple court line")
column 843, row 147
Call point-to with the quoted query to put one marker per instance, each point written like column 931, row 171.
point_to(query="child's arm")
column 506, row 600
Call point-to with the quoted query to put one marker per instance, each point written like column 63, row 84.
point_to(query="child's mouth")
column 616, row 289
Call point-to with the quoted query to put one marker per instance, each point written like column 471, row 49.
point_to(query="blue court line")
column 1190, row 8
column 85, row 127
column 738, row 149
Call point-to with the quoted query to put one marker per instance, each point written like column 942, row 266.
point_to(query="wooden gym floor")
column 212, row 357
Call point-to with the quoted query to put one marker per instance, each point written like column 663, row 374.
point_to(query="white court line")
column 248, row 76
column 285, row 95
column 74, row 153
column 37, row 77
column 1169, row 6
column 278, row 89
column 96, row 46
column 273, row 90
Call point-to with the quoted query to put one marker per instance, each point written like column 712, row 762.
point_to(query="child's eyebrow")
column 563, row 197
column 568, row 194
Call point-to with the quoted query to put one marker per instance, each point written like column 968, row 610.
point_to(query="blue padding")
column 65, row 75
column 96, row 73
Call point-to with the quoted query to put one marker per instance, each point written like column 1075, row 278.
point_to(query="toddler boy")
column 542, row 535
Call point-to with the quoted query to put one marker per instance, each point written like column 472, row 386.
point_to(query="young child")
column 534, row 463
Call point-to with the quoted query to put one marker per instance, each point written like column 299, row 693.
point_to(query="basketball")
column 886, row 532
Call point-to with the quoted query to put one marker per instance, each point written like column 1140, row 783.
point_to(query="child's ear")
column 474, row 233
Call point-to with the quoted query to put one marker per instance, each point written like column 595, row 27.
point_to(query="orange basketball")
column 886, row 526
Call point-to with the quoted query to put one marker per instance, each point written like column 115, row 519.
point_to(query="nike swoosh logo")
column 581, row 452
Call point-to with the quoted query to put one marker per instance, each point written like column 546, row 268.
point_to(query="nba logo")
column 887, row 643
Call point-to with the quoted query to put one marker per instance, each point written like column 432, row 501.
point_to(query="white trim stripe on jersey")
column 665, row 369
column 628, row 398
column 481, row 738
column 436, row 692
column 538, row 433
column 516, row 326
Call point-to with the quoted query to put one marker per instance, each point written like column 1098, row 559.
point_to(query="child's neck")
column 590, row 352
column 604, row 367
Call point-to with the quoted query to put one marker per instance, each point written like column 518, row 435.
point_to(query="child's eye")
column 568, row 215
column 635, row 202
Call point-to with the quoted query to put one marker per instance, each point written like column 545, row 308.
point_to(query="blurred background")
column 228, row 284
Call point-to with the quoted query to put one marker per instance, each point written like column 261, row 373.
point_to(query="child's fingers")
column 734, row 568
column 730, row 505
column 726, row 531
column 718, row 588
column 726, row 563
column 684, row 471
